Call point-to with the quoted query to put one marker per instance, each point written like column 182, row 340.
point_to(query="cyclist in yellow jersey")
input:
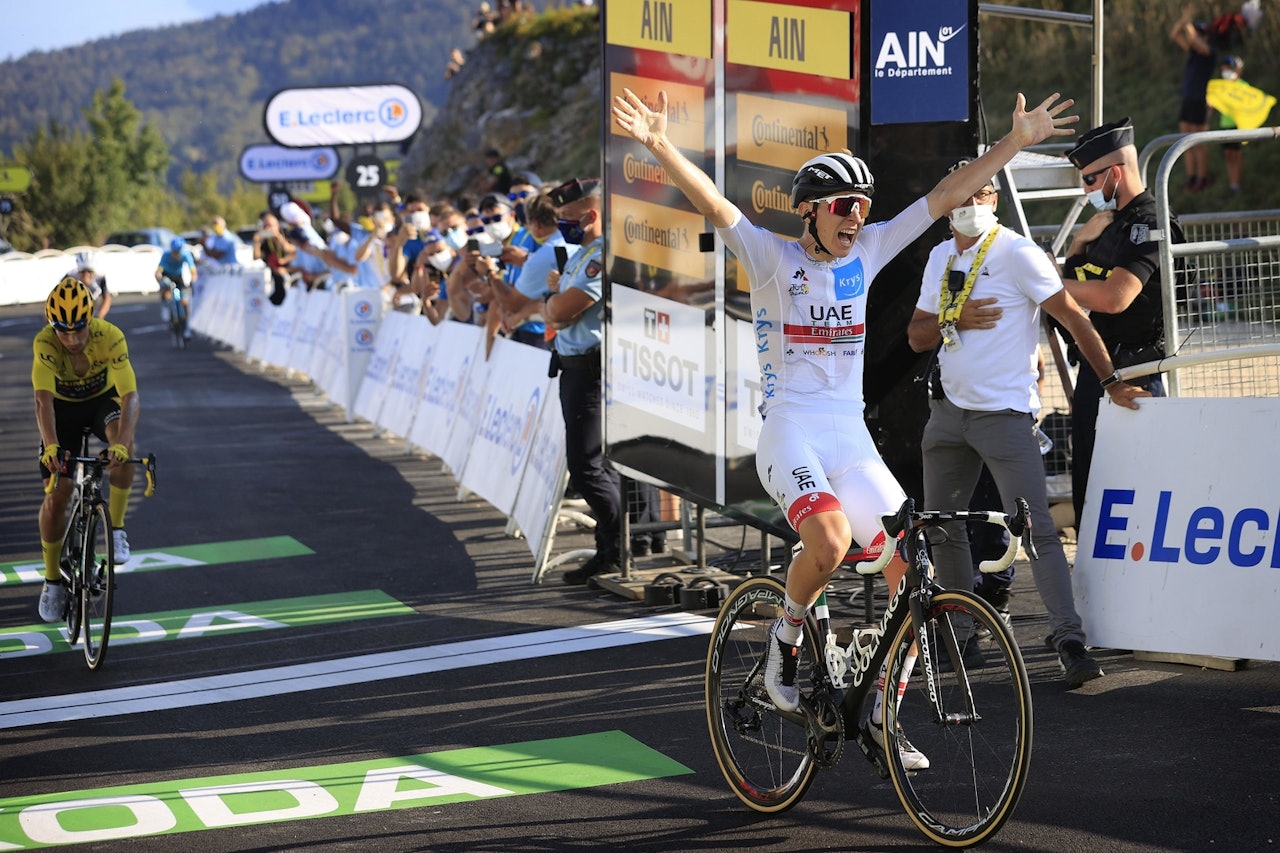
column 83, row 379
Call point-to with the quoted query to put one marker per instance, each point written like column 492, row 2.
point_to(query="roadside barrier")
column 494, row 421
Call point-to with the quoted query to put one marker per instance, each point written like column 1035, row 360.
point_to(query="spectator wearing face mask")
column 518, row 315
column 522, row 294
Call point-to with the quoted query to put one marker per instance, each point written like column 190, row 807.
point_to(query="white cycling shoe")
column 121, row 542
column 53, row 601
column 780, row 671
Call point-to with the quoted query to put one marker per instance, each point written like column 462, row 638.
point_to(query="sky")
column 26, row 26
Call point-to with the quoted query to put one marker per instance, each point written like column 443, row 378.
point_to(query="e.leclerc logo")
column 1201, row 537
column 393, row 112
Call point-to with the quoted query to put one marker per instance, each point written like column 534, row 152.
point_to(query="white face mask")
column 973, row 219
column 441, row 260
column 1098, row 198
column 498, row 230
column 456, row 237
column 421, row 220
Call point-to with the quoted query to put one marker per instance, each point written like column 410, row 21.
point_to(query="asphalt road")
column 310, row 608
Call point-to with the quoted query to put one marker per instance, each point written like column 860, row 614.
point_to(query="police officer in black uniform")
column 1113, row 270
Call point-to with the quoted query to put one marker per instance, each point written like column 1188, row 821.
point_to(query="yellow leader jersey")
column 108, row 355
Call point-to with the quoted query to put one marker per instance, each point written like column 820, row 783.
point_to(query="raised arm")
column 649, row 128
column 1029, row 128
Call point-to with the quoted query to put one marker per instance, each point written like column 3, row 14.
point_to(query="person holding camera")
column 980, row 300
column 574, row 309
column 271, row 247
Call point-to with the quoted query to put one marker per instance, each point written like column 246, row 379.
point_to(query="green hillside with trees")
column 147, row 128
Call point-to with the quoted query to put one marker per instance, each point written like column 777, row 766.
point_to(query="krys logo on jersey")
column 1145, row 525
column 920, row 66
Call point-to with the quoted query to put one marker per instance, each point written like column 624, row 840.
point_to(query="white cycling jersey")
column 810, row 316
column 815, row 453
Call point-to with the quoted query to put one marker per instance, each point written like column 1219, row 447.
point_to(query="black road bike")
column 967, row 703
column 87, row 561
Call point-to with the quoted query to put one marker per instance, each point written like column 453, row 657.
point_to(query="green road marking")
column 229, row 619
column 301, row 793
column 209, row 554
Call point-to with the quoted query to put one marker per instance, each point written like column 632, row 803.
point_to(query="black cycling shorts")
column 73, row 417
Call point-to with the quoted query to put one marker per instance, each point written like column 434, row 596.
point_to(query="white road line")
column 379, row 666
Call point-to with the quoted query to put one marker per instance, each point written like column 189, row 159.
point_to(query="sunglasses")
column 74, row 327
column 489, row 220
column 1092, row 178
column 477, row 230
column 843, row 205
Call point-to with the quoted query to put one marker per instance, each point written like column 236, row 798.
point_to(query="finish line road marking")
column 209, row 554
column 430, row 779
column 361, row 669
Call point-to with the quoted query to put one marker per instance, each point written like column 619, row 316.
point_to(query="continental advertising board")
column 681, row 357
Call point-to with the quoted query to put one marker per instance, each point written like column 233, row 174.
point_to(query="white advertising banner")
column 1179, row 547
column 417, row 345
column 283, row 320
column 361, row 316
column 509, row 414
column 26, row 279
column 442, row 387
column 657, row 357
column 307, row 332
column 378, row 369
column 471, row 395
column 540, row 493
column 342, row 115
column 266, row 164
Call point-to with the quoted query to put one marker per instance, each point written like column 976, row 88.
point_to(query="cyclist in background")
column 177, row 266
column 97, row 284
column 83, row 379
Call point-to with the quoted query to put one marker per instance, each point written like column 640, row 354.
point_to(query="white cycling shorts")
column 816, row 463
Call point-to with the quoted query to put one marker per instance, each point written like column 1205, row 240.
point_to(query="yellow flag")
column 1237, row 100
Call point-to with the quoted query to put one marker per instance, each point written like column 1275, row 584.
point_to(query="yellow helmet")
column 70, row 306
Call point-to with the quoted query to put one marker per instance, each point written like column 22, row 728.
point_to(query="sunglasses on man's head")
column 1092, row 178
column 74, row 327
column 843, row 205
column 571, row 191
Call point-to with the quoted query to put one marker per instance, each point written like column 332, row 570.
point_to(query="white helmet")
column 84, row 261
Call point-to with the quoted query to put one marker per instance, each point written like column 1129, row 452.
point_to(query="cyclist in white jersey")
column 809, row 299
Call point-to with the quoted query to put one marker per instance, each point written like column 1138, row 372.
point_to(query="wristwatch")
column 1111, row 380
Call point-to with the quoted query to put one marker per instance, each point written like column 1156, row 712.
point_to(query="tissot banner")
column 342, row 115
column 920, row 62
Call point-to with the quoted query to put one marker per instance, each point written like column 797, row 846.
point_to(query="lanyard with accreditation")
column 951, row 299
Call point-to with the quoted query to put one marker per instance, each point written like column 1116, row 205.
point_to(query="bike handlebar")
column 1018, row 525
column 148, row 461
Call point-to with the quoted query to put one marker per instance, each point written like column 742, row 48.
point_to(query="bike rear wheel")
column 97, row 585
column 979, row 754
column 764, row 757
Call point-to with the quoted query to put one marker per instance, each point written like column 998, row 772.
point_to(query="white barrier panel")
column 417, row 347
column 509, row 414
column 467, row 422
column 283, row 320
column 327, row 360
column 442, row 388
column 540, row 493
column 29, row 278
column 306, row 331
column 378, row 370
column 260, row 337
column 1179, row 547
column 361, row 316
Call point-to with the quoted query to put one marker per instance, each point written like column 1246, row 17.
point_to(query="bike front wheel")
column 764, row 756
column 976, row 736
column 97, row 585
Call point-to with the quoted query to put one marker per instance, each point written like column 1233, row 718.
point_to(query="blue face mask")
column 571, row 230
